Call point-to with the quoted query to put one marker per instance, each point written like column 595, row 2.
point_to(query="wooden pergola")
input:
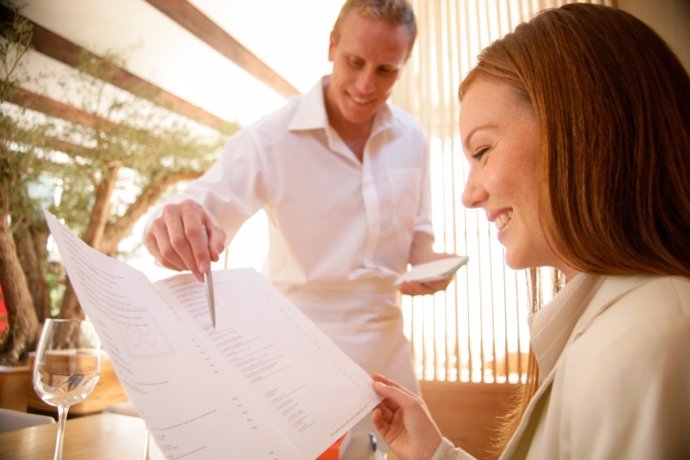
column 186, row 15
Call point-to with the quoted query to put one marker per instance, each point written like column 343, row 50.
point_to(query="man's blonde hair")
column 396, row 12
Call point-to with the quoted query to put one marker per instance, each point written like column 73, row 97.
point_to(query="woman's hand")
column 403, row 420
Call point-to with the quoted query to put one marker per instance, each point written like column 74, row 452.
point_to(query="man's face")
column 367, row 58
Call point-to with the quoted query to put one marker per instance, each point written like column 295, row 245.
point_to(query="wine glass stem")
column 62, row 418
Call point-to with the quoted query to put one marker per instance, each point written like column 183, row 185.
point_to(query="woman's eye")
column 480, row 153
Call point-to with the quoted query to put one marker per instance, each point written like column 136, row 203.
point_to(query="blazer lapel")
column 521, row 440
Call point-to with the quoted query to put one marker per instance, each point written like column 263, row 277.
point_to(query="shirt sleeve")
column 233, row 188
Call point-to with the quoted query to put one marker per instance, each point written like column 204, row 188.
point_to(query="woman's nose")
column 474, row 194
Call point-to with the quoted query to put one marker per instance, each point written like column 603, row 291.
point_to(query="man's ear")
column 332, row 43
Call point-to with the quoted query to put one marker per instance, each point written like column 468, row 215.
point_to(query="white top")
column 332, row 218
column 619, row 386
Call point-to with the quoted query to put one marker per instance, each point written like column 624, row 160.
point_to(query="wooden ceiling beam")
column 200, row 25
column 69, row 148
column 39, row 103
column 63, row 50
column 44, row 141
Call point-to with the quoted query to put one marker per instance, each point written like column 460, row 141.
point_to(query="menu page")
column 265, row 384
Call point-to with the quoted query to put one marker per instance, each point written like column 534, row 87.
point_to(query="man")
column 343, row 177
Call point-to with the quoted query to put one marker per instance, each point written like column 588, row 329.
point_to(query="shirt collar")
column 311, row 112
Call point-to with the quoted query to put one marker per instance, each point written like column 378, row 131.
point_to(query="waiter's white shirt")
column 615, row 356
column 340, row 230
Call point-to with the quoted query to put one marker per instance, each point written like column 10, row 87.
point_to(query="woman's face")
column 500, row 136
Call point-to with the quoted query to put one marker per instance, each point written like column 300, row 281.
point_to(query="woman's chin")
column 517, row 262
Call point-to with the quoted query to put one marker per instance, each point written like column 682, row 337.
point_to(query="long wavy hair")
column 613, row 104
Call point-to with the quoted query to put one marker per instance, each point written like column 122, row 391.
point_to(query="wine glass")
column 67, row 367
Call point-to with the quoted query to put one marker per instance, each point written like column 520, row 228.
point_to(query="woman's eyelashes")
column 479, row 154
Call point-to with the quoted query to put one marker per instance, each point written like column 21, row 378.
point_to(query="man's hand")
column 421, row 251
column 183, row 237
column 424, row 287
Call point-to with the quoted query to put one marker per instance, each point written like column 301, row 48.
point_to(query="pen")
column 211, row 300
column 208, row 277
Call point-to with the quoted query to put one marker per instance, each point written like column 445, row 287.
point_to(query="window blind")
column 476, row 331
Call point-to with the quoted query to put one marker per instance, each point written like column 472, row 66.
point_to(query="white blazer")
column 621, row 387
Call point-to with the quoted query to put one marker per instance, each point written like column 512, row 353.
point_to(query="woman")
column 576, row 127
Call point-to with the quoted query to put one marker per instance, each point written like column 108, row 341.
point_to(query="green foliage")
column 15, row 162
column 13, row 48
column 144, row 141
column 113, row 150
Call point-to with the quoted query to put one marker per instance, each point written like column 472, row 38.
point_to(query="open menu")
column 265, row 384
